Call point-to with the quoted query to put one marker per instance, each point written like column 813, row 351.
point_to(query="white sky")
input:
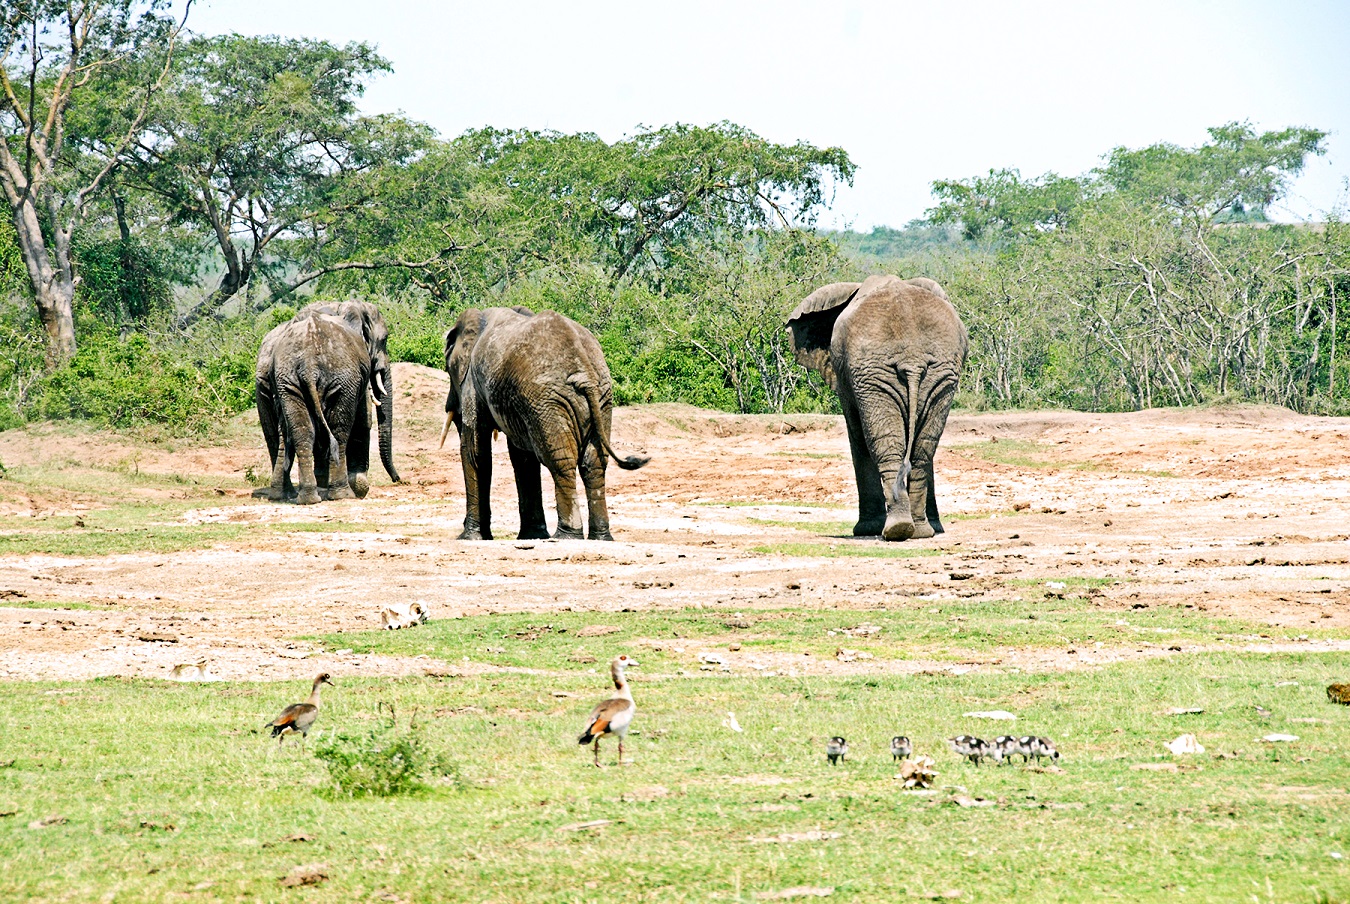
column 913, row 91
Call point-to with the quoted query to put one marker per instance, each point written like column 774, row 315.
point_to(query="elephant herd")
column 892, row 349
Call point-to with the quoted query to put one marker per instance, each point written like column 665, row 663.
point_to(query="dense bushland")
column 1152, row 280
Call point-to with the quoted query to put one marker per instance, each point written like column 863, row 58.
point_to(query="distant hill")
column 885, row 243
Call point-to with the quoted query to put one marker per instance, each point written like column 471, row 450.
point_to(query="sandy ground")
column 1243, row 512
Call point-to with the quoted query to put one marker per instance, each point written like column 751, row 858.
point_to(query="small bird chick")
column 1006, row 747
column 836, row 749
column 971, row 748
column 298, row 717
column 1040, row 747
column 900, row 748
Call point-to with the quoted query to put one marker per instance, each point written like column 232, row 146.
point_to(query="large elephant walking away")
column 366, row 323
column 313, row 391
column 542, row 380
column 893, row 350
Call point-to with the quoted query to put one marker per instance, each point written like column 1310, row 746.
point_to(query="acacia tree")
column 247, row 140
column 51, row 55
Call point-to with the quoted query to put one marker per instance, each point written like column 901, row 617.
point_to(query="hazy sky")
column 913, row 91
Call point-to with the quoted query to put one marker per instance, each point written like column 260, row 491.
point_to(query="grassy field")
column 154, row 790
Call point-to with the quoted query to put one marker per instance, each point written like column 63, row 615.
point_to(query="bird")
column 836, row 749
column 1006, row 746
column 1262, row 711
column 1040, row 747
column 970, row 748
column 900, row 747
column 612, row 716
column 299, row 716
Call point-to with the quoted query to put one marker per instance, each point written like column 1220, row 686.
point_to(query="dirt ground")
column 1241, row 512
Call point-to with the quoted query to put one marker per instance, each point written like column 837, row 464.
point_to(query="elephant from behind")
column 540, row 379
column 893, row 350
column 313, row 379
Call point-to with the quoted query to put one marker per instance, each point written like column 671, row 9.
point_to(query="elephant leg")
column 883, row 427
column 358, row 449
column 593, row 463
column 300, row 430
column 922, row 498
column 281, row 472
column 475, row 451
column 321, row 477
column 871, row 498
column 934, row 520
column 529, row 493
column 565, row 491
column 267, row 418
column 338, row 487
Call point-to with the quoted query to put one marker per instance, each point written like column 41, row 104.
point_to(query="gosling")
column 1040, row 747
column 836, row 749
column 1006, row 747
column 900, row 748
column 971, row 748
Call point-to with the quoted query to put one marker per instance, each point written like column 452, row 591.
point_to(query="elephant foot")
column 922, row 531
column 868, row 528
column 532, row 533
column 601, row 535
column 308, row 496
column 273, row 493
column 896, row 529
column 473, row 533
column 341, row 491
column 567, row 533
column 360, row 485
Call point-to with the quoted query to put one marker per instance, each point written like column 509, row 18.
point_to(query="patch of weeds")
column 1068, row 581
column 1021, row 453
column 326, row 526
column 46, row 604
column 824, row 528
column 805, row 455
column 846, row 550
column 383, row 761
column 784, row 503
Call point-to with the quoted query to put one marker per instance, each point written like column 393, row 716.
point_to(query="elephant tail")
column 586, row 386
column 317, row 401
column 912, row 378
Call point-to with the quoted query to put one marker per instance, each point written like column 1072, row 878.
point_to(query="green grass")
column 166, row 786
column 783, row 503
column 46, row 604
column 671, row 639
column 1022, row 453
column 824, row 528
column 847, row 548
column 805, row 455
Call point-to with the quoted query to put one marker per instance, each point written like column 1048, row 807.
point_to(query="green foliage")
column 121, row 280
column 382, row 761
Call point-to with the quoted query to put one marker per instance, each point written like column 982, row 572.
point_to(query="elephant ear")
column 811, row 326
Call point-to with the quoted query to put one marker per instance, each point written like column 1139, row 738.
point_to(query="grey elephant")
column 542, row 380
column 313, row 396
column 893, row 350
column 364, row 321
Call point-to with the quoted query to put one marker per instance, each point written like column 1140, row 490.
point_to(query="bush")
column 122, row 281
column 383, row 762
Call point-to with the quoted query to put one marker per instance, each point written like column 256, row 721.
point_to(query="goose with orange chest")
column 613, row 715
column 299, row 717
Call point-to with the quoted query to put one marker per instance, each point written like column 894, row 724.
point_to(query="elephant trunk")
column 384, row 416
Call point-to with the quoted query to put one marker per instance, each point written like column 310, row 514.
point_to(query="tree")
column 52, row 55
column 247, row 140
column 1238, row 172
column 1003, row 204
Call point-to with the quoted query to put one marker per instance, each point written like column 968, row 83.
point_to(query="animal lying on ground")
column 298, row 717
column 836, row 749
column 612, row 716
column 403, row 615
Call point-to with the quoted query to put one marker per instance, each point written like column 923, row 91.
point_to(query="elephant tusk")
column 446, row 429
column 379, row 383
column 375, row 400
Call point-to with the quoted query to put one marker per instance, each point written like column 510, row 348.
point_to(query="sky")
column 915, row 92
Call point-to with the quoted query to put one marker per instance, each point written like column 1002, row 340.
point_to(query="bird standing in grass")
column 1006, row 747
column 1040, row 747
column 971, row 748
column 614, row 715
column 900, row 747
column 836, row 749
column 299, row 716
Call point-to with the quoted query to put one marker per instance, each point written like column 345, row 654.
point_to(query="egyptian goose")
column 836, row 749
column 970, row 748
column 1040, row 747
column 614, row 715
column 1006, row 747
column 900, row 748
column 299, row 716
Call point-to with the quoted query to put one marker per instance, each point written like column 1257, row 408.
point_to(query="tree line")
column 173, row 195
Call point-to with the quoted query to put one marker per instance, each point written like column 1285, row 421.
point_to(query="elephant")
column 313, row 382
column 542, row 380
column 365, row 320
column 893, row 350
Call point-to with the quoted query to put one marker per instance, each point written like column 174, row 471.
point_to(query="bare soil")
column 1241, row 512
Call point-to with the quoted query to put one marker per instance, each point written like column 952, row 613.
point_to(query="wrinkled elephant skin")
column 893, row 350
column 542, row 380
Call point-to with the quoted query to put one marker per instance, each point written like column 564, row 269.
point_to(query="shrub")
column 383, row 762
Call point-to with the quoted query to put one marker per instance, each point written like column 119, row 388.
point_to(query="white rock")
column 1277, row 738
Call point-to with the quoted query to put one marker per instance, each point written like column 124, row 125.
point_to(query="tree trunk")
column 53, row 288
